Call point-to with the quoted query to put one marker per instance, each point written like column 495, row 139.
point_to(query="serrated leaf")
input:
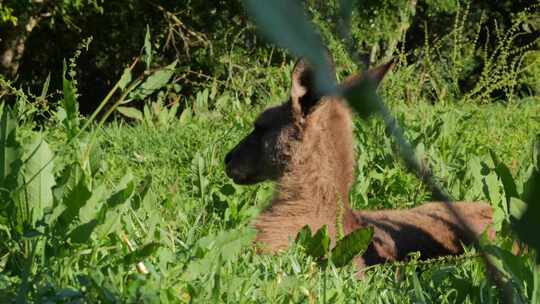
column 352, row 245
column 130, row 113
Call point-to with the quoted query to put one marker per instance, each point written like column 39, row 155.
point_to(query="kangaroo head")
column 280, row 132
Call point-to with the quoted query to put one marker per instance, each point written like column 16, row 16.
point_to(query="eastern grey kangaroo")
column 306, row 146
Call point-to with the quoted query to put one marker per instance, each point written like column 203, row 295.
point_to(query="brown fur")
column 306, row 145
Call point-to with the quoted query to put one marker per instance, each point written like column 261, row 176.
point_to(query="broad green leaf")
column 130, row 112
column 285, row 23
column 111, row 213
column 38, row 177
column 319, row 244
column 125, row 79
column 352, row 245
column 505, row 176
column 141, row 253
column 82, row 233
column 90, row 210
column 77, row 197
column 154, row 82
column 303, row 238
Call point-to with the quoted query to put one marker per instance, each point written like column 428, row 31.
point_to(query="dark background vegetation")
column 212, row 39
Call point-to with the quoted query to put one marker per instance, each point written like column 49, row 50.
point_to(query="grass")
column 190, row 228
column 194, row 199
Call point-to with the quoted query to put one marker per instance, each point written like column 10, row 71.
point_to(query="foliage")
column 95, row 209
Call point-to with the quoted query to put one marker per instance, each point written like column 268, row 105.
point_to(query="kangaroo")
column 306, row 146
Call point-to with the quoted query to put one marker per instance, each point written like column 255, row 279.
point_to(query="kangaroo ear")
column 375, row 74
column 304, row 94
column 303, row 97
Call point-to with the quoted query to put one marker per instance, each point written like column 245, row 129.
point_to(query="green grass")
column 191, row 229
column 191, row 225
column 193, row 199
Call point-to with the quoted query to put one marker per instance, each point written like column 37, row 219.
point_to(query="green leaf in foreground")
column 320, row 243
column 285, row 23
column 352, row 245
column 316, row 245
column 304, row 236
